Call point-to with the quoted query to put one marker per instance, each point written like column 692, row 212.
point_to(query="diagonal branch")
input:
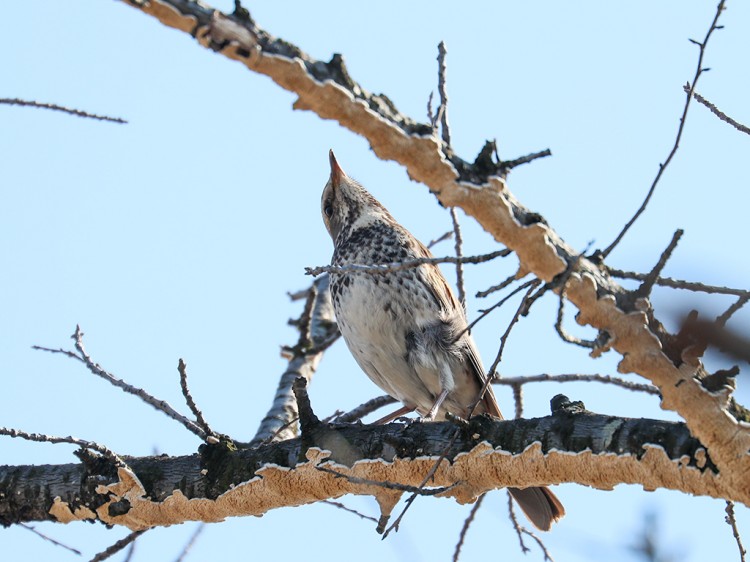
column 318, row 330
column 328, row 90
column 689, row 95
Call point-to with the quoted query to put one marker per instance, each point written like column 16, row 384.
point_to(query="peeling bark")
column 328, row 90
column 569, row 446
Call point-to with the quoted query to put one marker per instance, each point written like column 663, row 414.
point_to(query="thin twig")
column 441, row 238
column 510, row 164
column 395, row 266
column 418, row 490
column 518, row 399
column 499, row 286
column 662, row 167
column 588, row 344
column 719, row 113
column 55, row 107
column 200, row 420
column 467, row 523
column 732, row 522
column 521, row 530
column 501, row 302
column 427, row 478
column 605, row 379
column 131, row 552
column 459, row 255
column 504, row 338
column 516, row 525
column 722, row 319
column 350, row 510
column 679, row 283
column 648, row 283
column 41, row 438
column 367, row 408
column 443, row 93
column 190, row 543
column 117, row 547
column 50, row 539
column 160, row 405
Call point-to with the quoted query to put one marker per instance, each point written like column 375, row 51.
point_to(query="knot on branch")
column 722, row 379
column 339, row 72
column 120, row 507
column 561, row 404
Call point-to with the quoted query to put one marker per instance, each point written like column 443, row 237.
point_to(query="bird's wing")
column 438, row 286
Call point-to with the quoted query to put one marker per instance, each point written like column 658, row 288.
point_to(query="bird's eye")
column 328, row 208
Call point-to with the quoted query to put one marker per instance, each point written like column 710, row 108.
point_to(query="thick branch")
column 329, row 91
column 568, row 446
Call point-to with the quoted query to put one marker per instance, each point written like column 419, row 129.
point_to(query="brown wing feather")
column 447, row 300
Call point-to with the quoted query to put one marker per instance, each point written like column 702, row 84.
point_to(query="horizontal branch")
column 55, row 107
column 406, row 264
column 571, row 445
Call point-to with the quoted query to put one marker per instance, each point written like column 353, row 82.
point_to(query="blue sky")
column 179, row 234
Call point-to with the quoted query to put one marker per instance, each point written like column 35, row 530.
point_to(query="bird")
column 404, row 326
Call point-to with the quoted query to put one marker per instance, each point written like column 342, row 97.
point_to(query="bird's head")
column 346, row 205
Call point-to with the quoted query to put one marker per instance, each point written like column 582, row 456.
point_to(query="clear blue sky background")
column 179, row 234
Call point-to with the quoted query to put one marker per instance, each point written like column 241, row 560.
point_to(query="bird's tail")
column 540, row 505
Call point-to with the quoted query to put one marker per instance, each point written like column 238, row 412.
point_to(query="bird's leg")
column 436, row 406
column 393, row 415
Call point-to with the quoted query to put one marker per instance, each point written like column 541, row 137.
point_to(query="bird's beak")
column 337, row 174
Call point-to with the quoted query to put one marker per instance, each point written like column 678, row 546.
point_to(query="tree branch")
column 328, row 90
column 571, row 445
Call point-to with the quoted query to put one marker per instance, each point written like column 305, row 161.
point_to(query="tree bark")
column 625, row 320
column 329, row 460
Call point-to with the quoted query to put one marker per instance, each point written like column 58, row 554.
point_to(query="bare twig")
column 350, row 510
column 606, row 379
column 182, row 368
column 589, row 344
column 427, row 478
column 441, row 238
column 648, row 283
column 117, row 547
column 407, row 264
column 719, row 113
column 504, row 338
column 518, row 399
column 501, row 302
column 467, row 523
column 521, row 530
column 131, row 552
column 55, row 107
column 679, row 283
column 510, row 164
column 459, row 255
column 722, row 319
column 160, row 405
column 516, row 525
column 499, row 286
column 41, row 438
column 418, row 490
column 732, row 522
column 367, row 408
column 50, row 539
column 662, row 167
column 443, row 111
column 191, row 541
